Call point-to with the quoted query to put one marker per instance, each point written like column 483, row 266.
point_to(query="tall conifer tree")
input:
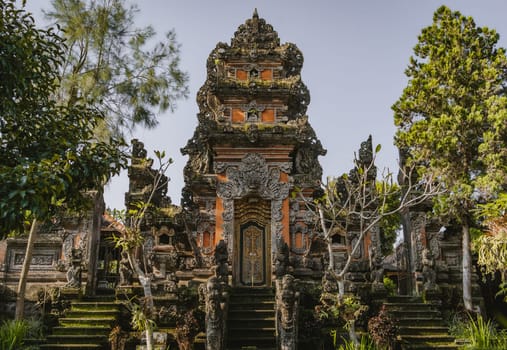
column 452, row 117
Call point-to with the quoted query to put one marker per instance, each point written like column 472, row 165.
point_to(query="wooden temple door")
column 252, row 258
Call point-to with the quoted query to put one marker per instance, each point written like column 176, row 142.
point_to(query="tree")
column 107, row 66
column 451, row 119
column 48, row 155
column 131, row 242
column 362, row 203
column 491, row 247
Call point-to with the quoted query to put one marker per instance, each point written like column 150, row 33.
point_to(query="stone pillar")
column 94, row 242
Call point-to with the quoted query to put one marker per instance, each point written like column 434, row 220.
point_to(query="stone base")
column 69, row 293
column 379, row 291
column 433, row 296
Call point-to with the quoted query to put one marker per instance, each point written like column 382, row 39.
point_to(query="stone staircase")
column 251, row 319
column 420, row 325
column 86, row 326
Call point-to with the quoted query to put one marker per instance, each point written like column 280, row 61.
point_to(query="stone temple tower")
column 252, row 148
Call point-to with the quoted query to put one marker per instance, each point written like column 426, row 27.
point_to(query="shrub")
column 12, row 334
column 366, row 343
column 382, row 329
column 390, row 286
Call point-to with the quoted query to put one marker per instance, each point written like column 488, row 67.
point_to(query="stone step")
column 410, row 306
column 252, row 340
column 251, row 301
column 432, row 338
column 420, row 325
column 241, row 333
column 252, row 322
column 251, row 348
column 252, row 305
column 252, row 291
column 251, row 319
column 91, row 313
column 421, row 321
column 421, row 330
column 424, row 314
column 82, row 329
column 404, row 299
column 430, row 346
column 83, row 322
column 77, row 339
column 70, row 346
column 257, row 315
column 95, row 305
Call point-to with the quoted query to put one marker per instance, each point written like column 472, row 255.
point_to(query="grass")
column 12, row 334
column 479, row 334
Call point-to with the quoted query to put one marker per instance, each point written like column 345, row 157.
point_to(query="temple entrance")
column 252, row 258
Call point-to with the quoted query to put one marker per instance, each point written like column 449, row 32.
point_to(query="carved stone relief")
column 252, row 176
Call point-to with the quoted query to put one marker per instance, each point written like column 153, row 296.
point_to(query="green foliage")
column 366, row 343
column 481, row 333
column 494, row 209
column 390, row 286
column 109, row 66
column 478, row 333
column 383, row 329
column 451, row 116
column 140, row 320
column 390, row 194
column 492, row 251
column 47, row 152
column 12, row 334
column 337, row 310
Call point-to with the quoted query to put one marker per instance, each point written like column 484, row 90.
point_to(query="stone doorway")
column 252, row 253
column 252, row 259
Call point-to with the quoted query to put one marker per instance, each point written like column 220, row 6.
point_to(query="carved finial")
column 255, row 14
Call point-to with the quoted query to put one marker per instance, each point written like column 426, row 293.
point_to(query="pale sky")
column 355, row 54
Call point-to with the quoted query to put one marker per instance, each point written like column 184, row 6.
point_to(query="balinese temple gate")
column 252, row 147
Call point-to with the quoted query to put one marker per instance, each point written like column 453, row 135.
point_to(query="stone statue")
column 428, row 270
column 171, row 284
column 329, row 284
column 125, row 270
column 214, row 314
column 376, row 263
column 282, row 258
column 221, row 256
column 74, row 271
column 287, row 299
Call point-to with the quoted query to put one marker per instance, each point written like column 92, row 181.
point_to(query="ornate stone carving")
column 252, row 176
column 295, row 230
column 74, row 270
column 417, row 227
column 428, row 270
column 215, row 320
column 125, row 270
column 255, row 34
column 287, row 300
column 329, row 284
column 282, row 258
column 221, row 257
column 171, row 283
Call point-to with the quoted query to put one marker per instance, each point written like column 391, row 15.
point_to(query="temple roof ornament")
column 255, row 34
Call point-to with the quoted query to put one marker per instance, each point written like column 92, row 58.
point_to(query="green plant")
column 35, row 329
column 12, row 334
column 365, row 343
column 383, row 329
column 390, row 286
column 480, row 333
